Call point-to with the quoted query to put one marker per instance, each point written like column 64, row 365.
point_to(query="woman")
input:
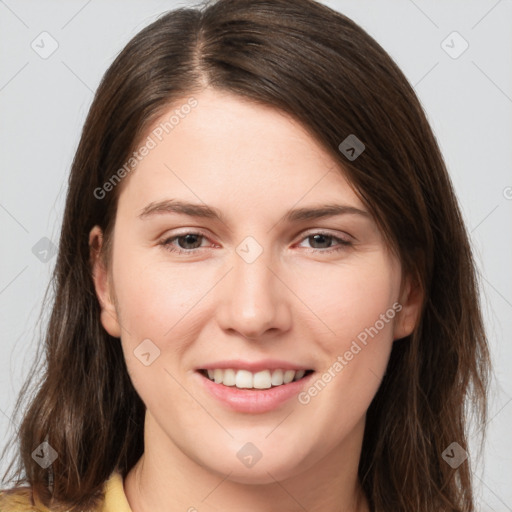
column 204, row 353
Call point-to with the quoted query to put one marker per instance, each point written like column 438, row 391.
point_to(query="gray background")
column 44, row 101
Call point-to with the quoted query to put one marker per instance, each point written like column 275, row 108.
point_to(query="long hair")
column 325, row 71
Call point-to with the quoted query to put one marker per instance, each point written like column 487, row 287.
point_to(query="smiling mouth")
column 243, row 379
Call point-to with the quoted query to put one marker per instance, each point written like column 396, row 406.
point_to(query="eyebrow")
column 209, row 212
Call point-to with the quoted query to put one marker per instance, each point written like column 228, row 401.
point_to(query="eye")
column 323, row 238
column 189, row 242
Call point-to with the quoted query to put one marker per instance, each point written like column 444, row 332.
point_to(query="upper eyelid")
column 326, row 231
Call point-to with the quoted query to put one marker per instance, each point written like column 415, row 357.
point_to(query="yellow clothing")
column 115, row 498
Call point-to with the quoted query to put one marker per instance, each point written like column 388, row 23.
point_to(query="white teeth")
column 262, row 380
column 288, row 376
column 218, row 375
column 229, row 378
column 244, row 379
column 299, row 374
column 277, row 377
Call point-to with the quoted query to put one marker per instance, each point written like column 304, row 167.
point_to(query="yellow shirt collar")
column 115, row 497
column 22, row 500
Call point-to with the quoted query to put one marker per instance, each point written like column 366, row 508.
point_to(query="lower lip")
column 254, row 400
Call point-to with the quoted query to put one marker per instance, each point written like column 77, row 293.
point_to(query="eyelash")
column 166, row 243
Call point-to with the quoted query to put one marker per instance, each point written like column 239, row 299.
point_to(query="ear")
column 104, row 290
column 411, row 300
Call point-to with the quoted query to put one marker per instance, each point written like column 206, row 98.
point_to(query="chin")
column 261, row 476
column 262, row 472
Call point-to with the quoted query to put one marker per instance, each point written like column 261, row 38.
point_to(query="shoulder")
column 22, row 499
column 19, row 499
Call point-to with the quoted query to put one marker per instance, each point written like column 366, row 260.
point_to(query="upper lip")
column 254, row 366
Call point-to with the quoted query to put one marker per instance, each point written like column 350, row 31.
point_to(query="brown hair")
column 318, row 66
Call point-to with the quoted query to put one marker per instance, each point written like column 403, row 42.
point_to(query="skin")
column 254, row 164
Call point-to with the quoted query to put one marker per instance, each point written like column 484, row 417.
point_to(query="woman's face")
column 258, row 284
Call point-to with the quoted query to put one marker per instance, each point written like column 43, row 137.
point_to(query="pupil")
column 187, row 240
column 325, row 237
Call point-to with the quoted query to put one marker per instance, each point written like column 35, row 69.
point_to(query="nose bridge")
column 252, row 279
column 254, row 301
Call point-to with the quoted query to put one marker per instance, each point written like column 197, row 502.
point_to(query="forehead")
column 228, row 151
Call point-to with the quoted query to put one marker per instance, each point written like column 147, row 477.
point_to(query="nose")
column 254, row 300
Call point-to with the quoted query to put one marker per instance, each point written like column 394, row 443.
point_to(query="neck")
column 166, row 479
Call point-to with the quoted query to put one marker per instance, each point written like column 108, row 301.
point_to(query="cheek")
column 355, row 314
column 156, row 302
column 348, row 299
column 153, row 296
